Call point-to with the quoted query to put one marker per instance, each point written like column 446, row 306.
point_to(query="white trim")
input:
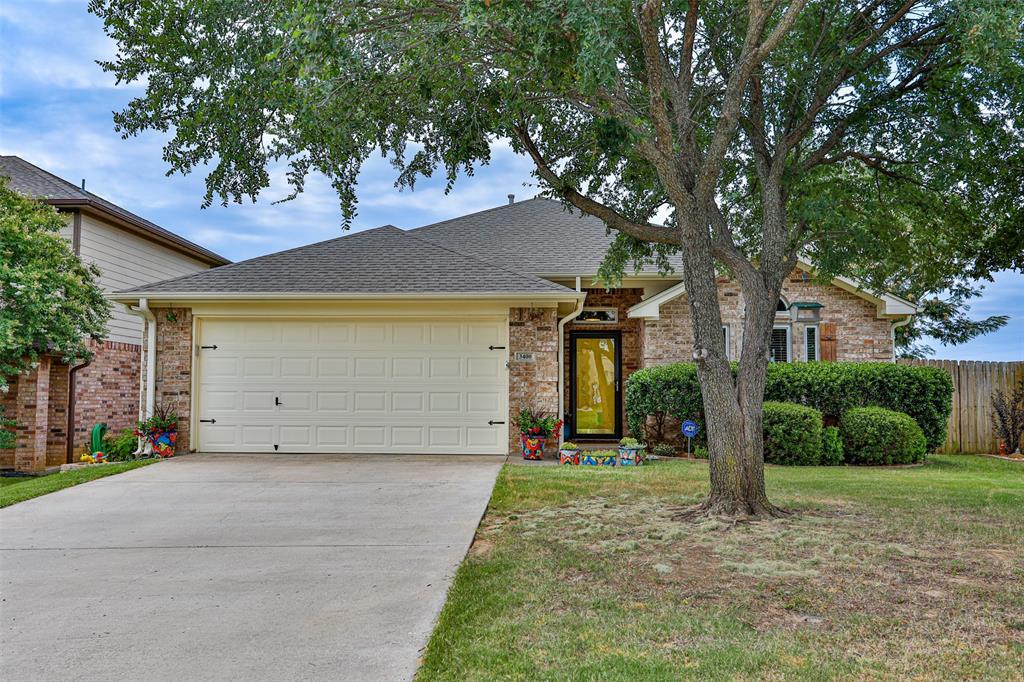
column 728, row 341
column 129, row 297
column 817, row 343
column 650, row 308
column 888, row 305
column 789, row 341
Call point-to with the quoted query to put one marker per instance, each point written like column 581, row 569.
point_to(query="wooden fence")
column 970, row 423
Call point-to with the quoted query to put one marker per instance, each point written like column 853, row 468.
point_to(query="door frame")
column 616, row 336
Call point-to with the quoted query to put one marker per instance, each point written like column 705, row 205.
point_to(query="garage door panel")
column 353, row 386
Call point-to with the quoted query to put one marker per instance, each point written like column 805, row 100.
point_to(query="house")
column 56, row 405
column 430, row 340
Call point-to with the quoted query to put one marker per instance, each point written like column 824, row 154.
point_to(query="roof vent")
column 83, row 184
column 511, row 199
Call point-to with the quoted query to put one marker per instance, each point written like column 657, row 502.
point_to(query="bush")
column 121, row 447
column 875, row 435
column 792, row 434
column 664, row 450
column 832, row 388
column 831, row 447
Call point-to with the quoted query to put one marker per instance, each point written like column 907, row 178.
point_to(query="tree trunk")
column 732, row 405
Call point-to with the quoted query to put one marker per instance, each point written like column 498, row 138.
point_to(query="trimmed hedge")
column 792, row 434
column 831, row 447
column 832, row 388
column 875, row 435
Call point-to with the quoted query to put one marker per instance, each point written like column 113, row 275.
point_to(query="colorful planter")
column 569, row 457
column 598, row 458
column 629, row 457
column 533, row 446
column 163, row 442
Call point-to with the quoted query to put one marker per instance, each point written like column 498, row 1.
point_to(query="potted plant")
column 161, row 430
column 535, row 427
column 631, row 452
column 569, row 453
column 598, row 458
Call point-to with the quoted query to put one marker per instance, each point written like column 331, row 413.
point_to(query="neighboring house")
column 55, row 399
column 431, row 340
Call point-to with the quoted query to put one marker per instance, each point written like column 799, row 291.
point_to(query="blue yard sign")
column 690, row 430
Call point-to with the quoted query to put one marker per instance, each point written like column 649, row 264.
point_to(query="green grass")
column 582, row 574
column 19, row 489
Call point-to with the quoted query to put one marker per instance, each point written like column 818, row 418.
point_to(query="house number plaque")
column 521, row 356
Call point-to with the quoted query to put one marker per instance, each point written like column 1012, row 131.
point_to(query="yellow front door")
column 595, row 389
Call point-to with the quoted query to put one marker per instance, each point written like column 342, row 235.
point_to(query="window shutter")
column 827, row 341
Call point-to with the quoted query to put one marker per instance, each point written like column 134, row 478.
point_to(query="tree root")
column 731, row 511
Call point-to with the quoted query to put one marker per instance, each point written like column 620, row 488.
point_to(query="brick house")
column 56, row 404
column 430, row 340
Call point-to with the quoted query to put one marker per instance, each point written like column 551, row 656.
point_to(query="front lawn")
column 19, row 489
column 580, row 574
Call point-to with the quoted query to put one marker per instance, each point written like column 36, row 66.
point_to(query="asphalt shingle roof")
column 539, row 236
column 385, row 260
column 32, row 180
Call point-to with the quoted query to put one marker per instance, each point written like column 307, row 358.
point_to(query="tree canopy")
column 49, row 300
column 878, row 138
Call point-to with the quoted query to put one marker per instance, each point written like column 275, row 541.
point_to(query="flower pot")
column 533, row 446
column 163, row 441
column 569, row 457
column 598, row 458
column 629, row 456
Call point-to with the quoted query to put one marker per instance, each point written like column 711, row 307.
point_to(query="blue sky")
column 55, row 111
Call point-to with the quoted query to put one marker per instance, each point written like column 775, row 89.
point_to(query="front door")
column 595, row 372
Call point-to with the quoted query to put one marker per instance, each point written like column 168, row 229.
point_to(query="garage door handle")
column 492, row 422
column 277, row 401
column 207, row 421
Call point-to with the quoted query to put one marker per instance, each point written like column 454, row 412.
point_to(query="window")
column 725, row 332
column 781, row 307
column 598, row 316
column 811, row 343
column 778, row 350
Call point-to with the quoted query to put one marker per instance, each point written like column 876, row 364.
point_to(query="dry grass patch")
column 586, row 576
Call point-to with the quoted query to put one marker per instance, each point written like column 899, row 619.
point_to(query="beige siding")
column 126, row 260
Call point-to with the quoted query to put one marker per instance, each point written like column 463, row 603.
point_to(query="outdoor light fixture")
column 805, row 311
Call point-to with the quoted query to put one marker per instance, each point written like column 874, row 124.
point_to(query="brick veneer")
column 632, row 333
column 532, row 384
column 107, row 391
column 860, row 335
column 174, row 367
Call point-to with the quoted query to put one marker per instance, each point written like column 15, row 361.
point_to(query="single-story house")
column 56, row 405
column 430, row 340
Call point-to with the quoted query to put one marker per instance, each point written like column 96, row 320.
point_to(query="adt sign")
column 690, row 428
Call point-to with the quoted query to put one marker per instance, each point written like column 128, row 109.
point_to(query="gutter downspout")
column 561, row 357
column 146, row 410
column 72, row 399
column 895, row 325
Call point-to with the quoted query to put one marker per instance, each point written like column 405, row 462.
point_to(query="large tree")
column 50, row 302
column 876, row 137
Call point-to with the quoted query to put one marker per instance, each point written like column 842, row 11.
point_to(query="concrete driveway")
column 238, row 567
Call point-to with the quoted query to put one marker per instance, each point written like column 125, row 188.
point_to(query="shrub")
column 1008, row 416
column 664, row 450
column 875, row 435
column 121, row 447
column 629, row 442
column 831, row 447
column 832, row 388
column 792, row 434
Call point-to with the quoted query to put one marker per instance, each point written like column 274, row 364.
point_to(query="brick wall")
column 57, row 416
column 174, row 367
column 632, row 333
column 860, row 335
column 107, row 391
column 532, row 384
column 9, row 409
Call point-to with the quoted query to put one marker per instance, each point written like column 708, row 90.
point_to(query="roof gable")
column 31, row 180
column 382, row 261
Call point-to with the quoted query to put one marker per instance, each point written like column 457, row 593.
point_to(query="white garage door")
column 409, row 386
